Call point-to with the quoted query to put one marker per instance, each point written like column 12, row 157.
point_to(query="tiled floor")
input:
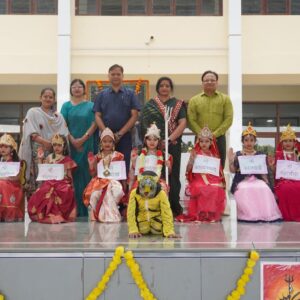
column 85, row 236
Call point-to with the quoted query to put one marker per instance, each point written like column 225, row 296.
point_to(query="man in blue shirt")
column 117, row 107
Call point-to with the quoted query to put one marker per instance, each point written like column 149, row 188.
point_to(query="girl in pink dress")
column 287, row 190
column 255, row 200
column 207, row 195
column 54, row 202
column 11, row 190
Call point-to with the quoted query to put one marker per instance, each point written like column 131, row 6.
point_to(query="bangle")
column 118, row 134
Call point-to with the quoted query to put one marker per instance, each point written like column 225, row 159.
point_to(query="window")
column 149, row 7
column 28, row 7
column 271, row 7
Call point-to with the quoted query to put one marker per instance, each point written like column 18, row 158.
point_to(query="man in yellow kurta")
column 149, row 209
column 213, row 109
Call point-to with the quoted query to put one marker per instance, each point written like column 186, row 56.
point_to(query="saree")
column 45, row 125
column 79, row 119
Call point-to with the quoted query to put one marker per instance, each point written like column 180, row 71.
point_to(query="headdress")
column 249, row 130
column 57, row 139
column 153, row 131
column 7, row 139
column 107, row 132
column 288, row 134
column 205, row 132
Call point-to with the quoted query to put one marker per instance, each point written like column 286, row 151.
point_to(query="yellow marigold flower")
column 229, row 297
column 248, row 271
column 235, row 295
column 241, row 290
column 241, row 282
column 245, row 277
column 254, row 255
column 1, row 297
column 128, row 255
column 251, row 263
column 119, row 251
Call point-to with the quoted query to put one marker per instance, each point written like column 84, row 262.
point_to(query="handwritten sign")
column 150, row 164
column 50, row 172
column 8, row 169
column 254, row 164
column 116, row 170
column 288, row 169
column 207, row 165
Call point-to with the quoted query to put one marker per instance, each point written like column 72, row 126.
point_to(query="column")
column 63, row 51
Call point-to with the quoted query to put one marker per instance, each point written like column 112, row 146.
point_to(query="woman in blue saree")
column 80, row 120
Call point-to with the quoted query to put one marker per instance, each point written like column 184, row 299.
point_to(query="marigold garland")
column 135, row 272
column 1, row 297
column 138, row 86
column 159, row 164
column 99, row 85
column 239, row 291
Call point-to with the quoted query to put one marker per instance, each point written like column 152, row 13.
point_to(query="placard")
column 253, row 164
column 50, row 172
column 288, row 169
column 207, row 165
column 8, row 169
column 150, row 164
column 116, row 170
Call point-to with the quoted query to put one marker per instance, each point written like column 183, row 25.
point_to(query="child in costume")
column 102, row 195
column 151, row 158
column 254, row 199
column 207, row 196
column 54, row 202
column 11, row 190
column 149, row 209
column 287, row 190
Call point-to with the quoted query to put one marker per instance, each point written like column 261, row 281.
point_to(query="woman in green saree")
column 80, row 120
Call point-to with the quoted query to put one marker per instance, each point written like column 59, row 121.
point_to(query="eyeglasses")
column 209, row 80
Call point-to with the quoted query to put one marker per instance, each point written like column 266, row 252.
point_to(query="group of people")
column 148, row 198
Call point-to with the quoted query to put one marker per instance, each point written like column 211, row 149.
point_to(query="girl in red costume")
column 11, row 191
column 207, row 194
column 54, row 202
column 287, row 190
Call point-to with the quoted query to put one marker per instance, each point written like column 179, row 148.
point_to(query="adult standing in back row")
column 213, row 109
column 117, row 108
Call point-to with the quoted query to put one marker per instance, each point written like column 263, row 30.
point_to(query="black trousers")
column 174, row 179
column 221, row 143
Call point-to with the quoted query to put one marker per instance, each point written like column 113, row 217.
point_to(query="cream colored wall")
column 271, row 45
column 28, row 44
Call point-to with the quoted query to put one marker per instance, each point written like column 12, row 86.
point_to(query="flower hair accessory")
column 107, row 132
column 288, row 134
column 249, row 130
column 7, row 139
column 153, row 131
column 57, row 139
column 205, row 132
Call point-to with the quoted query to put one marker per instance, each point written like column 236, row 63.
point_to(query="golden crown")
column 288, row 134
column 205, row 132
column 153, row 131
column 57, row 139
column 249, row 130
column 7, row 139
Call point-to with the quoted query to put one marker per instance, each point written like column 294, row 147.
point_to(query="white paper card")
column 150, row 164
column 207, row 165
column 117, row 170
column 50, row 172
column 288, row 169
column 253, row 164
column 8, row 169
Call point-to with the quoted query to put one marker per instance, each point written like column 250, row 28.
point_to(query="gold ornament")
column 57, row 139
column 249, row 130
column 288, row 134
column 8, row 140
column 205, row 132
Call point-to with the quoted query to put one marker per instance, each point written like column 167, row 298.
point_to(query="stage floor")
column 98, row 237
